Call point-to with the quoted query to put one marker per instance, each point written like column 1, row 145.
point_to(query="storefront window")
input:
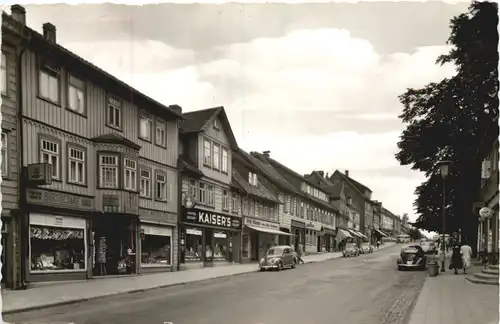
column 221, row 247
column 57, row 249
column 193, row 247
column 156, row 250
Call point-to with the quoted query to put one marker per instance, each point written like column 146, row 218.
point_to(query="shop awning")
column 380, row 232
column 328, row 231
column 361, row 235
column 268, row 230
column 342, row 234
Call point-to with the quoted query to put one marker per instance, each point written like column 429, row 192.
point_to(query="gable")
column 218, row 133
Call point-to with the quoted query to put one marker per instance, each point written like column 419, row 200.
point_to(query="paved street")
column 357, row 290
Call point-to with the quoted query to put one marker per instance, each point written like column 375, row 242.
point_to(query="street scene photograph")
column 250, row 162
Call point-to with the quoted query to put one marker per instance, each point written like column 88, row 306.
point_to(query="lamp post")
column 444, row 170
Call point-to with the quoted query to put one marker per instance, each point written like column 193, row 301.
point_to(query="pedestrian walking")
column 378, row 244
column 456, row 260
column 466, row 252
column 299, row 254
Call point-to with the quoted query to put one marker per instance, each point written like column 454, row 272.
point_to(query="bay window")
column 108, row 171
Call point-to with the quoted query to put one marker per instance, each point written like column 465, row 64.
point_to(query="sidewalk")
column 450, row 299
column 60, row 293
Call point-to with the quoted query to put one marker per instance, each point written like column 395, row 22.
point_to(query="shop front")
column 314, row 238
column 208, row 239
column 329, row 238
column 58, row 236
column 298, row 231
column 258, row 236
column 156, row 247
column 342, row 237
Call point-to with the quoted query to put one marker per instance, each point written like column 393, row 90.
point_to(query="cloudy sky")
column 316, row 84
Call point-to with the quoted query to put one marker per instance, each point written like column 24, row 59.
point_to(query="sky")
column 316, row 84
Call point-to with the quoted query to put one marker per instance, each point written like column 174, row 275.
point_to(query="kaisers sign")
column 211, row 218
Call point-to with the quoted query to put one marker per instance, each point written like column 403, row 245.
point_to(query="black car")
column 412, row 257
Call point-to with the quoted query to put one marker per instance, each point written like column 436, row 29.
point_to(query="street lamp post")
column 444, row 170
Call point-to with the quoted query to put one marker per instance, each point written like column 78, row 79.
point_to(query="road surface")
column 361, row 290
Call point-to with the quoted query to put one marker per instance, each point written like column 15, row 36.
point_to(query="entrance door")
column 254, row 242
column 209, row 248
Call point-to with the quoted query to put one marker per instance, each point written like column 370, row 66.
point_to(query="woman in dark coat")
column 456, row 259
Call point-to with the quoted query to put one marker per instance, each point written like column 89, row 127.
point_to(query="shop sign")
column 298, row 224
column 39, row 174
column 211, row 218
column 261, row 223
column 57, row 199
column 310, row 225
column 193, row 231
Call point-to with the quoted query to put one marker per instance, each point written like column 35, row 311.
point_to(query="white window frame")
column 161, row 187
column 145, row 183
column 161, row 132
column 224, row 160
column 202, row 192
column 114, row 106
column 130, row 174
column 5, row 154
column 193, row 188
column 211, row 195
column 225, row 199
column 4, row 76
column 216, row 156
column 146, row 120
column 76, row 161
column 234, row 202
column 51, row 80
column 56, row 172
column 76, row 87
column 207, row 152
column 108, row 163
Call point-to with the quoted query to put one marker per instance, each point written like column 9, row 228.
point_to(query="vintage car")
column 366, row 248
column 350, row 249
column 278, row 257
column 412, row 258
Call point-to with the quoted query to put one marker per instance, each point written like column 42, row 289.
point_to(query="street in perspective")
column 249, row 164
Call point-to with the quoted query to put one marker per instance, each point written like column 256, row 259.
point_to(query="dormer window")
column 349, row 200
column 252, row 179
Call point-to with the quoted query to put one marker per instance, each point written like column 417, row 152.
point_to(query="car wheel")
column 280, row 266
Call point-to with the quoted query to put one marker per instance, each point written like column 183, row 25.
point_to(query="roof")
column 186, row 165
column 260, row 191
column 197, row 121
column 115, row 139
column 281, row 166
column 361, row 187
column 334, row 189
column 101, row 77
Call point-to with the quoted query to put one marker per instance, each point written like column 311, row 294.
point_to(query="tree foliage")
column 454, row 119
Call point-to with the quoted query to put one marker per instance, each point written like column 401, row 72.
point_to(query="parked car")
column 412, row 258
column 366, row 248
column 429, row 247
column 278, row 257
column 350, row 249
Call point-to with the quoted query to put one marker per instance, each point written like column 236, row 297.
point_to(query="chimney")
column 18, row 13
column 321, row 173
column 176, row 108
column 267, row 154
column 49, row 32
column 346, row 173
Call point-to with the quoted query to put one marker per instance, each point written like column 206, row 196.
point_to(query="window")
column 161, row 132
column 252, row 179
column 216, row 124
column 5, row 154
column 207, row 152
column 76, row 94
column 161, row 187
column 216, row 163
column 221, row 247
column 234, row 201
column 76, row 161
column 145, row 126
column 203, row 193
column 4, row 74
column 245, row 208
column 224, row 160
column 114, row 112
column 291, row 201
column 194, row 245
column 109, row 171
column 50, row 154
column 145, row 183
column 285, row 204
column 156, row 246
column 193, row 188
column 130, row 174
column 225, row 200
column 49, row 84
column 211, row 195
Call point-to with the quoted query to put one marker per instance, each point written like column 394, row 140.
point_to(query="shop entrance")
column 254, row 243
column 114, row 244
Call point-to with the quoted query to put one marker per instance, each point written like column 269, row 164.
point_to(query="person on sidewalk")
column 456, row 260
column 298, row 249
column 378, row 244
column 466, row 252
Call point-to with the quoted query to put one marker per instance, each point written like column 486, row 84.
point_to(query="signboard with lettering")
column 39, row 174
column 58, row 199
column 211, row 218
column 261, row 223
column 298, row 224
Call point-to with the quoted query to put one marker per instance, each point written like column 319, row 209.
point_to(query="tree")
column 405, row 219
column 415, row 234
column 454, row 120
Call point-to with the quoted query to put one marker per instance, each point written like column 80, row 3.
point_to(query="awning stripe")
column 380, row 232
column 268, row 230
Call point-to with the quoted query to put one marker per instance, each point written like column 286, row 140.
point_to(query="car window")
column 287, row 251
column 275, row 251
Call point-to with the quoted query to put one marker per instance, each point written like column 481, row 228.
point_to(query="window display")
column 57, row 249
column 193, row 247
column 156, row 250
column 221, row 247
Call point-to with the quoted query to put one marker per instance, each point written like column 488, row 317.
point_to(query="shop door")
column 254, row 242
column 209, row 248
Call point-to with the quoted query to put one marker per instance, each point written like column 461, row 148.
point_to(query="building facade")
column 107, row 155
column 210, row 224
